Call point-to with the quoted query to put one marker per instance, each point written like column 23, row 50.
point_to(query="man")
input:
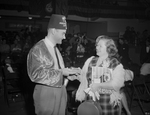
column 145, row 51
column 123, row 50
column 45, row 67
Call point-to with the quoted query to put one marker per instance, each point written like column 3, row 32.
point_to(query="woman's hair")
column 110, row 45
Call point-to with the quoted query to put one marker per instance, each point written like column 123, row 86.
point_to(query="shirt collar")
column 49, row 42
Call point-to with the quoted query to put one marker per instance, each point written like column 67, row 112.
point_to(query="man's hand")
column 76, row 70
column 71, row 71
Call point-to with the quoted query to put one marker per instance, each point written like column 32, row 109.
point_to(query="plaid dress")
column 107, row 108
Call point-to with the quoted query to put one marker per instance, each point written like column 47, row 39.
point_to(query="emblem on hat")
column 63, row 21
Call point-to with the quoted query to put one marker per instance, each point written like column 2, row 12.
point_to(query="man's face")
column 59, row 35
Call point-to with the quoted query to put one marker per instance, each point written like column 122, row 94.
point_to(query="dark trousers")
column 50, row 100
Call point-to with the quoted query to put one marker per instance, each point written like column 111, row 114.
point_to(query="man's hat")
column 58, row 22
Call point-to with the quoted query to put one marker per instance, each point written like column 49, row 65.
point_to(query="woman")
column 102, row 77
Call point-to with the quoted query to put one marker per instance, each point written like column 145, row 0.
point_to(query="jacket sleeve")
column 40, row 67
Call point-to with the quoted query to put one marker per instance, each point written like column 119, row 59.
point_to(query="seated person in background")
column 5, row 48
column 16, row 50
column 145, row 68
column 109, row 72
column 128, row 77
column 16, row 46
column 145, row 71
column 10, row 72
column 8, row 62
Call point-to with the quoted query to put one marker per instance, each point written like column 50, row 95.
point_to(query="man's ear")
column 53, row 31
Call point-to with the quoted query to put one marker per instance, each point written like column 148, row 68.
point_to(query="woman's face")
column 101, row 49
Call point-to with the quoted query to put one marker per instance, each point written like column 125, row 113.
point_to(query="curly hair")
column 110, row 45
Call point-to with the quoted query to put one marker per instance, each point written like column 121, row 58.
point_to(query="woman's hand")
column 94, row 95
column 73, row 77
column 94, row 87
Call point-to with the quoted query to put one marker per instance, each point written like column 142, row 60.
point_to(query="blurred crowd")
column 138, row 41
column 17, row 43
column 76, row 48
column 135, row 37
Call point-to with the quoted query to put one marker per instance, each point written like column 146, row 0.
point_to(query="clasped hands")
column 72, row 73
